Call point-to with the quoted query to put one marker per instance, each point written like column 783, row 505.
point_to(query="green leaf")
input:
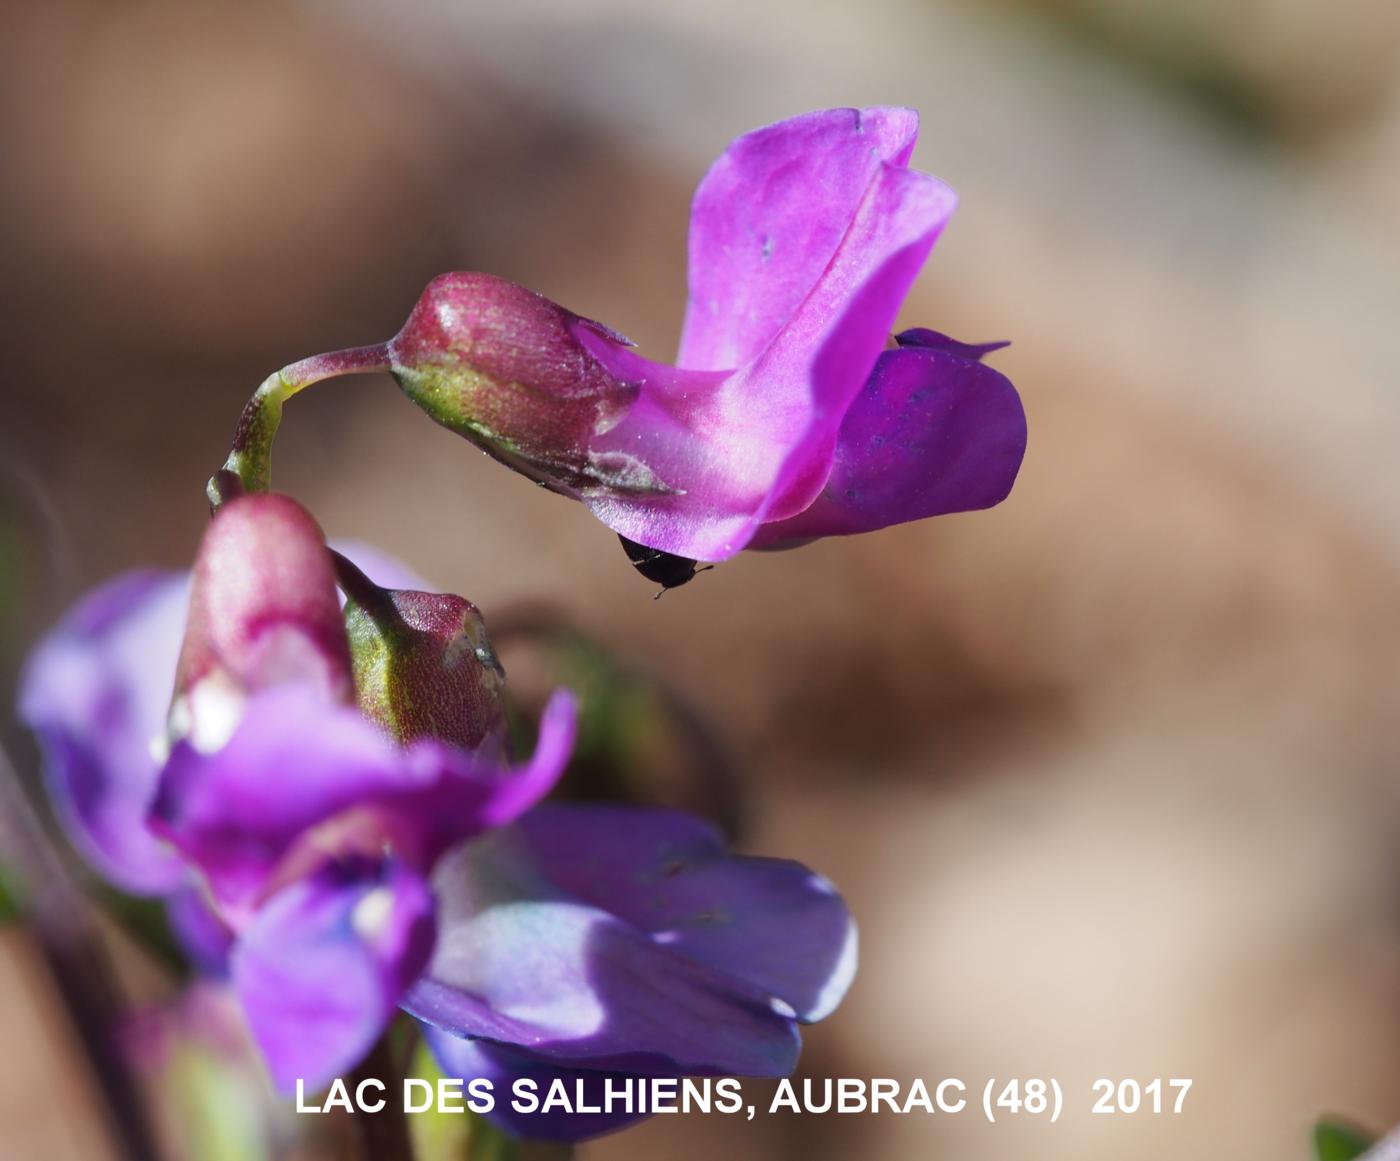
column 1335, row 1140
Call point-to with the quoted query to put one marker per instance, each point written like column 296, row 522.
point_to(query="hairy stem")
column 249, row 464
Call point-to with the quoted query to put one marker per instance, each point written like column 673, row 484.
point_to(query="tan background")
column 1109, row 774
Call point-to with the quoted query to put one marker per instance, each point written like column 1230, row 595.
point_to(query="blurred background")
column 1110, row 774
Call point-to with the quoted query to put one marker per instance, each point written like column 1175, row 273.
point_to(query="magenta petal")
column 462, row 795
column 503, row 1067
column 520, row 961
column 508, row 794
column 932, row 433
column 823, row 357
column 294, row 761
column 767, row 219
column 95, row 692
column 757, row 445
column 320, row 971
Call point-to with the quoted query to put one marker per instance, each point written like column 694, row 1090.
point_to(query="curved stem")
column 249, row 464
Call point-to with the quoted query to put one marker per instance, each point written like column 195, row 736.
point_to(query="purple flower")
column 595, row 943
column 787, row 417
column 327, row 813
column 96, row 692
column 310, row 829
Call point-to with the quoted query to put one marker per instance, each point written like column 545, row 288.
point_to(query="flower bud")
column 510, row 370
column 424, row 668
column 263, row 611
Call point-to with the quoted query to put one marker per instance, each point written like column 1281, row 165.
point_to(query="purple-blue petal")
column 770, row 922
column 321, row 969
column 937, row 340
column 204, row 936
column 932, row 433
column 95, row 692
column 575, row 936
column 503, row 1067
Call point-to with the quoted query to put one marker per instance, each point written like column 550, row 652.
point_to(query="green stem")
column 249, row 464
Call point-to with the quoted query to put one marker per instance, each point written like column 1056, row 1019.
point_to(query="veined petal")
column 571, row 936
column 756, row 445
column 933, row 432
column 768, row 217
column 95, row 692
column 770, row 922
column 321, row 969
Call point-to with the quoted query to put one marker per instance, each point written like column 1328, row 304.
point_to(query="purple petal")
column 321, row 970
column 95, row 692
column 523, row 961
column 937, row 340
column 503, row 796
column 294, row 761
column 932, row 433
column 205, row 937
column 248, row 810
column 767, row 219
column 769, row 922
column 482, row 1059
column 757, row 446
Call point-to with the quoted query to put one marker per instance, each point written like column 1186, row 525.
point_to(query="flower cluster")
column 786, row 417
column 311, row 767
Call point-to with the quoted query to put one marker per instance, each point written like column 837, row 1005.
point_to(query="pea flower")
column 597, row 944
column 788, row 416
column 309, row 829
column 328, row 813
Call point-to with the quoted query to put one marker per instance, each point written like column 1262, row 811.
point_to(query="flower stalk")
column 249, row 464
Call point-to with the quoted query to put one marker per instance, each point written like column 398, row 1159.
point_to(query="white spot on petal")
column 371, row 914
column 214, row 708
